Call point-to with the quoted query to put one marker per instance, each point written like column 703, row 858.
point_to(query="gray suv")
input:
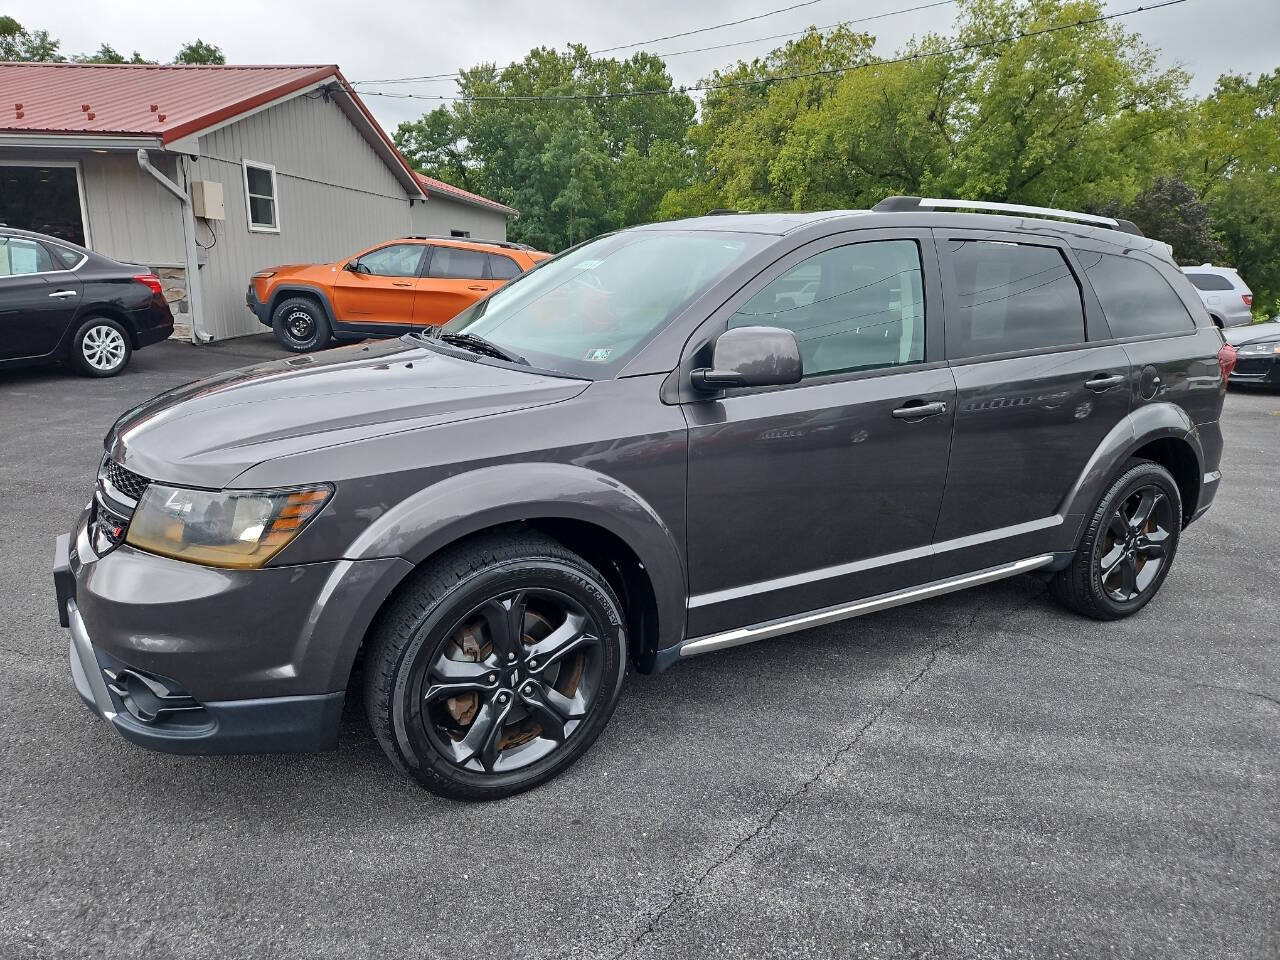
column 663, row 442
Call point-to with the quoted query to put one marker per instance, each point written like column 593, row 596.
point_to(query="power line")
column 738, row 84
column 716, row 26
column 438, row 77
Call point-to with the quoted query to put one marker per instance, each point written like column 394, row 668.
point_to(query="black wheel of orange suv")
column 496, row 668
column 300, row 325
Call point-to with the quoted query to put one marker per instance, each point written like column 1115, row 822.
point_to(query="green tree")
column 596, row 151
column 19, row 44
column 1169, row 210
column 200, row 52
column 109, row 54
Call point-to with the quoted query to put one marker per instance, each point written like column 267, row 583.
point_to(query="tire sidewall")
column 1141, row 474
column 412, row 745
column 82, row 364
column 319, row 325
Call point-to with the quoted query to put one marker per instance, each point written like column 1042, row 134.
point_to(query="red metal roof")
column 169, row 102
column 431, row 184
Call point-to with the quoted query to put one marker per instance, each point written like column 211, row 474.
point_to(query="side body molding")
column 468, row 502
column 1154, row 421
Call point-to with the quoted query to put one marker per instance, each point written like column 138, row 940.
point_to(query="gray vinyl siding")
column 131, row 216
column 335, row 195
column 440, row 215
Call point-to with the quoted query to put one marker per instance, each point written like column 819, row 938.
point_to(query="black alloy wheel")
column 496, row 666
column 1133, row 548
column 1127, row 547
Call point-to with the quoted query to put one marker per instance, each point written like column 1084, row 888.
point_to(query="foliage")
column 1170, row 210
column 200, row 52
column 574, row 167
column 109, row 54
column 20, row 44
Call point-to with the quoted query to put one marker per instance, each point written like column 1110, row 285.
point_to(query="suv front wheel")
column 1128, row 547
column 300, row 325
column 496, row 667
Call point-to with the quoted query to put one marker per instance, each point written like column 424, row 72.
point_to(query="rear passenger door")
column 455, row 278
column 1037, row 392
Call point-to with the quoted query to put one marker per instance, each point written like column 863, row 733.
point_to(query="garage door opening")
column 42, row 198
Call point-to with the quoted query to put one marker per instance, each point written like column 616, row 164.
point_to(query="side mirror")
column 353, row 266
column 752, row 357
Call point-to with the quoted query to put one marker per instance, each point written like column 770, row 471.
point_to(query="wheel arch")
column 108, row 311
column 603, row 521
column 287, row 290
column 1160, row 432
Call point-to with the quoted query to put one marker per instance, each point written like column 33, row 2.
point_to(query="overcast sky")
column 376, row 39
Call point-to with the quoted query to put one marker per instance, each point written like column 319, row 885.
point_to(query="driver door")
column 455, row 278
column 379, row 287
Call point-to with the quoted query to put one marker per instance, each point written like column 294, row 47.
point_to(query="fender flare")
column 423, row 524
column 305, row 289
column 1154, row 421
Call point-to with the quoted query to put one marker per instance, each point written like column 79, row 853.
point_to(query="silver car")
column 1225, row 294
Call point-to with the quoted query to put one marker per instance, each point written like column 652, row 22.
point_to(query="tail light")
column 1227, row 360
column 1247, row 298
column 149, row 280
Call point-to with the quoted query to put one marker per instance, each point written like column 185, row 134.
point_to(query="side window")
column 1136, row 299
column 19, row 257
column 65, row 257
column 502, row 268
column 260, row 197
column 855, row 307
column 1010, row 296
column 454, row 263
column 397, row 260
column 1209, row 281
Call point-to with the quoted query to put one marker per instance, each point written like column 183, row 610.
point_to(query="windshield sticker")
column 598, row 355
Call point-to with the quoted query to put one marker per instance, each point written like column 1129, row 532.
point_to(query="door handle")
column 402, row 283
column 918, row 410
column 1104, row 381
column 63, row 293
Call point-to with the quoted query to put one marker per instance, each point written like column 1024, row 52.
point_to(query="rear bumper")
column 1208, row 490
column 152, row 323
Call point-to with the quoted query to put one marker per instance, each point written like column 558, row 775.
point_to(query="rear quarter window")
column 1137, row 300
column 1209, row 281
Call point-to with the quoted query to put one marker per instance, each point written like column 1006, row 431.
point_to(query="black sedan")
column 1257, row 353
column 59, row 301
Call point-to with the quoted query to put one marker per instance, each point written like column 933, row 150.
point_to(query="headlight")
column 228, row 528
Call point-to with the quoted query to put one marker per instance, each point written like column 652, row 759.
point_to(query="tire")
column 500, row 721
column 300, row 325
column 100, row 348
column 1113, row 540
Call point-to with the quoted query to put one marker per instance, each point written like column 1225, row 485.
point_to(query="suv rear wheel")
column 300, row 325
column 1128, row 547
column 496, row 668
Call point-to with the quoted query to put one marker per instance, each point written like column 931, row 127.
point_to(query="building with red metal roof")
column 209, row 173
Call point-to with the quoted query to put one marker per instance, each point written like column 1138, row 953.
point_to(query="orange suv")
column 384, row 291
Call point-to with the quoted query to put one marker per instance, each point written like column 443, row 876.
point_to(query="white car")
column 1226, row 296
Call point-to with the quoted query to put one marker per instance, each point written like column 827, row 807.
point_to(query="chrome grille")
column 126, row 481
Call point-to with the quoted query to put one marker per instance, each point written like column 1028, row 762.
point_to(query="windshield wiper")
column 470, row 341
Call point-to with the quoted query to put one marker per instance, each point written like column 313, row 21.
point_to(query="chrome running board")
column 816, row 618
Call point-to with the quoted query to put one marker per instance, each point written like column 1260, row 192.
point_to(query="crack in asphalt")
column 691, row 887
column 1148, row 671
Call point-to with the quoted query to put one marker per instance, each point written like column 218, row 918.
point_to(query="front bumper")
column 260, row 310
column 190, row 659
column 1254, row 369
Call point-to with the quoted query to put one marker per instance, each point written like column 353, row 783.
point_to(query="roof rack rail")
column 506, row 244
column 890, row 204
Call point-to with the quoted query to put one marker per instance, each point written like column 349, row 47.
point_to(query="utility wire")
column 736, row 84
column 439, row 77
column 715, row 26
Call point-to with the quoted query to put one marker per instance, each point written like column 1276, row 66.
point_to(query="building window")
column 44, row 197
column 260, row 197
column 463, row 234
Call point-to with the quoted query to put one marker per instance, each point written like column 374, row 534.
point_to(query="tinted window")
column 19, row 257
column 65, row 257
column 502, row 268
column 1136, row 299
column 1010, row 296
column 397, row 260
column 453, row 263
column 45, row 199
column 852, row 308
column 588, row 309
column 1209, row 281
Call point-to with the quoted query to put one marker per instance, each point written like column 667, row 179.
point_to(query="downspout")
column 189, row 236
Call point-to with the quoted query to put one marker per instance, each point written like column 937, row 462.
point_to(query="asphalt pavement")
column 982, row 775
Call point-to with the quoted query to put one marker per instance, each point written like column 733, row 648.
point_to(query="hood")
column 1251, row 333
column 208, row 432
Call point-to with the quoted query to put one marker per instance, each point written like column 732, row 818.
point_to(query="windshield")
column 589, row 309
